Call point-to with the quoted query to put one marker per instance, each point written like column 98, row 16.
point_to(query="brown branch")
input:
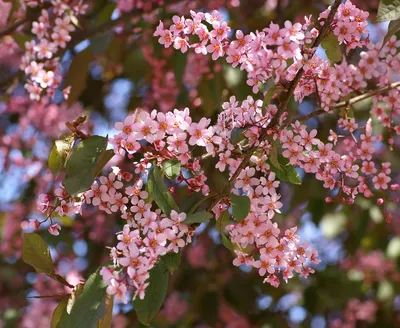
column 345, row 103
column 10, row 29
column 283, row 104
column 296, row 80
column 356, row 99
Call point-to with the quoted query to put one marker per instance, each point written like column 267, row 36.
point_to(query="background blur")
column 121, row 67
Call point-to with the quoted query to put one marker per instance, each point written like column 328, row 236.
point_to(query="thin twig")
column 345, row 103
column 283, row 104
column 293, row 84
column 10, row 29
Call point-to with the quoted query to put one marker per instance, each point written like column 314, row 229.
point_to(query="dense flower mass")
column 213, row 173
column 41, row 60
column 344, row 167
column 268, row 54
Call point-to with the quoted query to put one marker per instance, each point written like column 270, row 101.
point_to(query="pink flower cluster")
column 274, row 253
column 150, row 234
column 129, row 5
column 351, row 173
column 355, row 311
column 41, row 60
column 146, row 237
column 349, row 24
column 274, row 52
column 373, row 265
column 141, row 244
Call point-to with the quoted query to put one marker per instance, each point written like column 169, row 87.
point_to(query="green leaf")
column 226, row 242
column 179, row 66
column 20, row 39
column 332, row 48
column 201, row 201
column 64, row 320
column 392, row 29
column 171, row 168
column 106, row 321
column 273, row 157
column 268, row 96
column 36, row 253
column 198, row 217
column 159, row 192
column 89, row 308
column 388, row 10
column 77, row 74
column 59, row 153
column 172, row 261
column 240, row 206
column 82, row 164
column 104, row 158
column 105, row 14
column 135, row 65
column 287, row 173
column 237, row 135
column 147, row 308
column 58, row 312
column 222, row 221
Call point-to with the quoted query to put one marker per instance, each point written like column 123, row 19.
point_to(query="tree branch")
column 296, row 80
column 10, row 29
column 345, row 103
column 283, row 104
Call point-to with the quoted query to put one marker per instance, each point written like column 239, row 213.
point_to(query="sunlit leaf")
column 58, row 154
column 332, row 48
column 82, row 164
column 388, row 10
column 106, row 321
column 393, row 27
column 89, row 308
column 171, row 168
column 58, row 312
column 77, row 74
column 104, row 158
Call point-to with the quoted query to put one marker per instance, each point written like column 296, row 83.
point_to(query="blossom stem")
column 346, row 103
column 283, row 105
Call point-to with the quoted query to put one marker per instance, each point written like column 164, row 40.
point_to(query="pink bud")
column 54, row 229
column 34, row 224
column 368, row 193
column 350, row 201
column 328, row 199
column 395, row 200
column 380, row 201
column 394, row 186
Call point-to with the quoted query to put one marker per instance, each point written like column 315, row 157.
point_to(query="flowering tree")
column 199, row 163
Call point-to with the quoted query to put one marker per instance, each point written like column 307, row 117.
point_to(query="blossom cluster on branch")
column 41, row 60
column 288, row 56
